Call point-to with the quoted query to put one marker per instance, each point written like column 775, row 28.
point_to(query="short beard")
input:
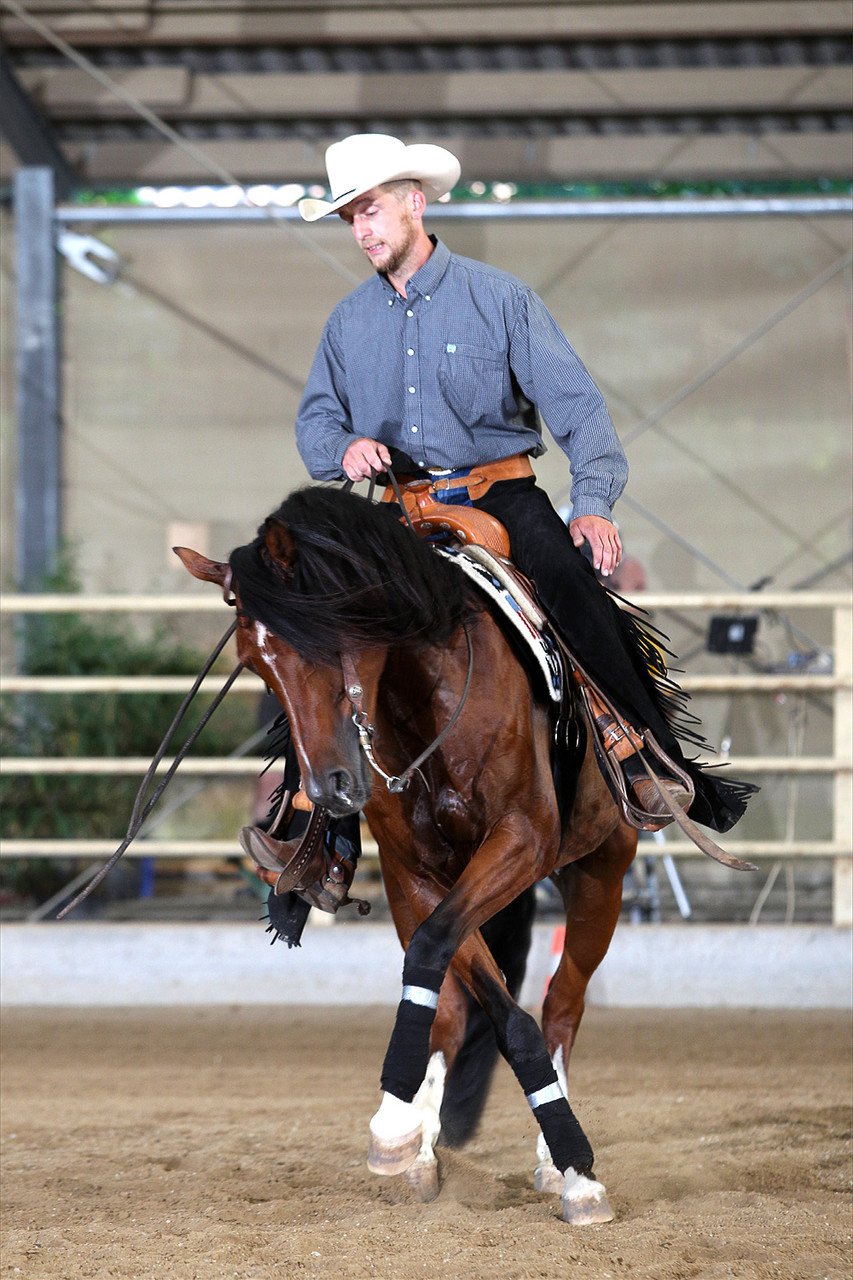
column 399, row 255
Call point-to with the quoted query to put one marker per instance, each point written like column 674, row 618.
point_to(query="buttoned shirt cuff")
column 341, row 447
column 589, row 505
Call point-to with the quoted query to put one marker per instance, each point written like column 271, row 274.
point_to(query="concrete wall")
column 165, row 421
column 648, row 966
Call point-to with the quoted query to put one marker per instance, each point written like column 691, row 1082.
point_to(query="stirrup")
column 615, row 743
column 305, row 867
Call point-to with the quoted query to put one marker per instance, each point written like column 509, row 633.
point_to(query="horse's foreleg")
column 393, row 1123
column 491, row 880
column 592, row 893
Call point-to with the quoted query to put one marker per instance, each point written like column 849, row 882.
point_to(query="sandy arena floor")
column 205, row 1143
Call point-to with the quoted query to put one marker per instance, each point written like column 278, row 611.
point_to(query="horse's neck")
column 417, row 684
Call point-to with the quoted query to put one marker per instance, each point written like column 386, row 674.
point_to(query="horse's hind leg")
column 592, row 893
column 583, row 1198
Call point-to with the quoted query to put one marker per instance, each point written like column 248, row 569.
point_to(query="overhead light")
column 289, row 194
column 261, row 196
column 198, row 197
column 168, row 197
column 227, row 197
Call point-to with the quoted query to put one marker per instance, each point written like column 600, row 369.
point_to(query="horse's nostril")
column 342, row 783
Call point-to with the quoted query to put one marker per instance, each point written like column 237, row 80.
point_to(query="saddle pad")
column 497, row 582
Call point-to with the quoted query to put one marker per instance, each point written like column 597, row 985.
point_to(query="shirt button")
column 410, row 313
column 410, row 352
column 390, row 302
column 414, row 429
column 411, row 391
column 426, row 295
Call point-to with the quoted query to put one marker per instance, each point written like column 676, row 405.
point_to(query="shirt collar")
column 427, row 279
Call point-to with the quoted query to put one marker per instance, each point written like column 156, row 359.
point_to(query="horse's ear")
column 280, row 544
column 200, row 567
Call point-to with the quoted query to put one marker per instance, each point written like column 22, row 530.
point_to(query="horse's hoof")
column 547, row 1178
column 584, row 1201
column 389, row 1156
column 422, row 1177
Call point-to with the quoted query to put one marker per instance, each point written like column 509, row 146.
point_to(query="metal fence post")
column 38, row 480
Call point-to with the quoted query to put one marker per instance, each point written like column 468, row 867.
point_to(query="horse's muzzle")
column 339, row 789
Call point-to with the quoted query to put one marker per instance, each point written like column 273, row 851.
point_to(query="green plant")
column 103, row 724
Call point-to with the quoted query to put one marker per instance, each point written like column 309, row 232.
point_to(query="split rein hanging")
column 141, row 808
column 140, row 813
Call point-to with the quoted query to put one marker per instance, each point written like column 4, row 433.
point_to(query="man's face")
column 384, row 227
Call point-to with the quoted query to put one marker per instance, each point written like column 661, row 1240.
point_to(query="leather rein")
column 140, row 813
column 354, row 692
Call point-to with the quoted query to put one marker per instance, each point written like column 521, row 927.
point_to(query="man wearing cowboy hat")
column 439, row 364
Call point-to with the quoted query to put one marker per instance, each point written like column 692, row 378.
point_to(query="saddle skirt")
column 499, row 580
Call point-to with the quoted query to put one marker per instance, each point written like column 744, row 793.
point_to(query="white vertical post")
column 842, row 878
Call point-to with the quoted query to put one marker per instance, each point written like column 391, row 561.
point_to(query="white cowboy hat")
column 365, row 160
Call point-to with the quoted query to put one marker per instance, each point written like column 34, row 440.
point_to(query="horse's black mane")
column 360, row 579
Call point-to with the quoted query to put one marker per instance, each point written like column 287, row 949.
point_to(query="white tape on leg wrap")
column 421, row 995
column 551, row 1093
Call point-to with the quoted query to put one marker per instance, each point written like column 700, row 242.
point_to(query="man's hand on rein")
column 603, row 538
column 364, row 456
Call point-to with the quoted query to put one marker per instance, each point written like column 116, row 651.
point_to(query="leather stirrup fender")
column 613, row 775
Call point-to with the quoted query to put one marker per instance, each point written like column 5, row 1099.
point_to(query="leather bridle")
column 355, row 694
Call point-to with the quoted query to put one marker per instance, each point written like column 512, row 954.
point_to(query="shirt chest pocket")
column 472, row 380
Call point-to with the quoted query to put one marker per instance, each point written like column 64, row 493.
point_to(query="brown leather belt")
column 477, row 481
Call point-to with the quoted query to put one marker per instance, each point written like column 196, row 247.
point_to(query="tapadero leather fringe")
column 720, row 802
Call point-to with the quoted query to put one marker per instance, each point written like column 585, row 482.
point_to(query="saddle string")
column 139, row 814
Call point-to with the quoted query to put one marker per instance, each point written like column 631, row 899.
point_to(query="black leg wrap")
column 419, row 975
column 567, row 1142
column 536, row 1073
column 408, row 1051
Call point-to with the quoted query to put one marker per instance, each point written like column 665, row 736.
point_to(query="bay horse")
column 350, row 619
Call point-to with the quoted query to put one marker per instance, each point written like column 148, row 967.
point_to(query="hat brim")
column 436, row 169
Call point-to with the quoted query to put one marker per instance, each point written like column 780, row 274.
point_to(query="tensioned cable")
column 211, row 331
column 653, row 419
column 751, row 338
column 156, row 122
column 725, row 481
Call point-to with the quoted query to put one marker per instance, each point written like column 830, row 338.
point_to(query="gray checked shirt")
column 454, row 375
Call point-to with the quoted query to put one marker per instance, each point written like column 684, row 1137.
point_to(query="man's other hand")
column 603, row 538
column 364, row 456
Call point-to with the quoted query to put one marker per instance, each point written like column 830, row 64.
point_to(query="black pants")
column 587, row 618
column 604, row 639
